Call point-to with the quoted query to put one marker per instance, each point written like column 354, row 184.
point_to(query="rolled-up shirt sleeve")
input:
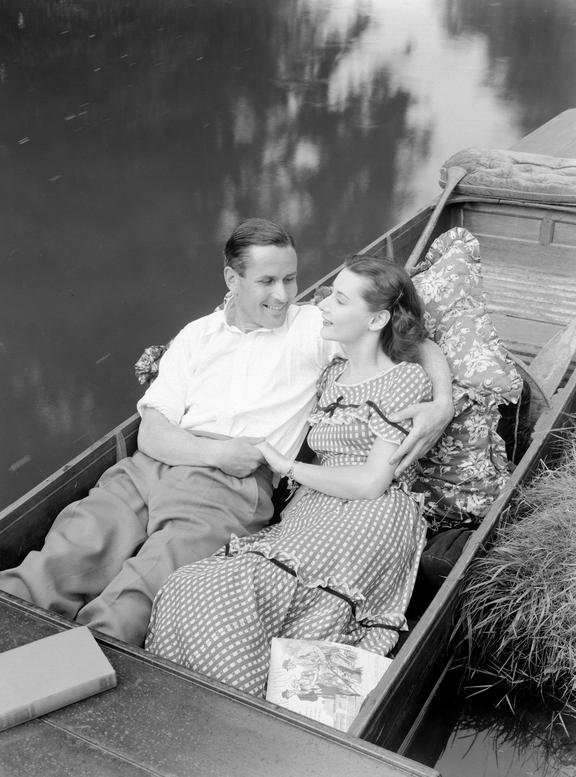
column 168, row 393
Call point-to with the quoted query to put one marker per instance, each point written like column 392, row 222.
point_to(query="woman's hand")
column 276, row 461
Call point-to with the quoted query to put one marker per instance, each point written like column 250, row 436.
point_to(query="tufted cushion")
column 468, row 467
column 514, row 175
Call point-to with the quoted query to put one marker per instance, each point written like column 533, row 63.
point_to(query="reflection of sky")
column 452, row 103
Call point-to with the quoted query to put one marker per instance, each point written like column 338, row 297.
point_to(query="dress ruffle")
column 341, row 416
column 363, row 614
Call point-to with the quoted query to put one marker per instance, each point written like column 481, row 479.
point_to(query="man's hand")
column 429, row 419
column 239, row 456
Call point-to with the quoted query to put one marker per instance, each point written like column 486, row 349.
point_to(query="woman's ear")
column 379, row 320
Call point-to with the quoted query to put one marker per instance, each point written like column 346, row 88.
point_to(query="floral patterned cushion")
column 146, row 368
column 466, row 470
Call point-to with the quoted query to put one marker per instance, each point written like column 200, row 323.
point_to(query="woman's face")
column 347, row 317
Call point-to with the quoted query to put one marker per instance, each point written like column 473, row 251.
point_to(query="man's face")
column 264, row 293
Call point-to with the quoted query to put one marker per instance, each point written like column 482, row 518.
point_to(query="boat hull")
column 165, row 719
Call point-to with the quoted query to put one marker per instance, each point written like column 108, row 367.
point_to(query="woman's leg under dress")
column 219, row 615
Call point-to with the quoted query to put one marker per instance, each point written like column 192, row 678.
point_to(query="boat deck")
column 529, row 274
column 529, row 255
column 165, row 721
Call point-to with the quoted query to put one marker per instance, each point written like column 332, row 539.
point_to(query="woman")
column 341, row 563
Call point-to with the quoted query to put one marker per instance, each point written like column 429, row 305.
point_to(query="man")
column 228, row 380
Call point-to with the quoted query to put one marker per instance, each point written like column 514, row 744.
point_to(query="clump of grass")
column 518, row 608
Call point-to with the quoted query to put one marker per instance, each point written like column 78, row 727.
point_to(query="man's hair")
column 253, row 232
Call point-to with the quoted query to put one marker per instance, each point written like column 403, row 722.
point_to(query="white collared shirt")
column 216, row 378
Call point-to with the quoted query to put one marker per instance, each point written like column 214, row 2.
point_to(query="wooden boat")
column 163, row 719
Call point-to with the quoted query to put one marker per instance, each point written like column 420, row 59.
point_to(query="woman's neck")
column 365, row 363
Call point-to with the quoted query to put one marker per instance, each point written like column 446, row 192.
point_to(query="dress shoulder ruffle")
column 371, row 402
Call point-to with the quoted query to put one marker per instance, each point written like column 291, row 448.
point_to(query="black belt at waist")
column 350, row 602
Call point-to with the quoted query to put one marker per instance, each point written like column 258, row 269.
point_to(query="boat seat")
column 513, row 175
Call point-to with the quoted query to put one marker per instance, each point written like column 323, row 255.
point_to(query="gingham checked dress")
column 335, row 569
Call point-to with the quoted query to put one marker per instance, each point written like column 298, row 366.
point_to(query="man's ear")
column 230, row 278
column 379, row 320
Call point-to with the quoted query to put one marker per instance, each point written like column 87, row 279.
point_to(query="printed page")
column 326, row 681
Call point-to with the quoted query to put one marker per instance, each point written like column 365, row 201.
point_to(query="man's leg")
column 88, row 542
column 193, row 512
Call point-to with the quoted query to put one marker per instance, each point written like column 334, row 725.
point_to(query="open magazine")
column 323, row 680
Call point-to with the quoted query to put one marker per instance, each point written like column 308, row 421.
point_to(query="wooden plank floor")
column 530, row 307
column 528, row 260
column 164, row 721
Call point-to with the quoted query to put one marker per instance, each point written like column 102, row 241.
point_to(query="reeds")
column 518, row 608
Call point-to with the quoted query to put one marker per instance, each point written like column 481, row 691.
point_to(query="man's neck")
column 232, row 319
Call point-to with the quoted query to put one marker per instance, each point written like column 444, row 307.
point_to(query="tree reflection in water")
column 525, row 40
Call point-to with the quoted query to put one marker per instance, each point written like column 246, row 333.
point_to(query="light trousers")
column 107, row 555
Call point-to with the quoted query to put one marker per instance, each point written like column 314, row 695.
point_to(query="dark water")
column 471, row 734
column 135, row 133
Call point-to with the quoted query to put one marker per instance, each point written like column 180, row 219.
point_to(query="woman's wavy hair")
column 388, row 287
